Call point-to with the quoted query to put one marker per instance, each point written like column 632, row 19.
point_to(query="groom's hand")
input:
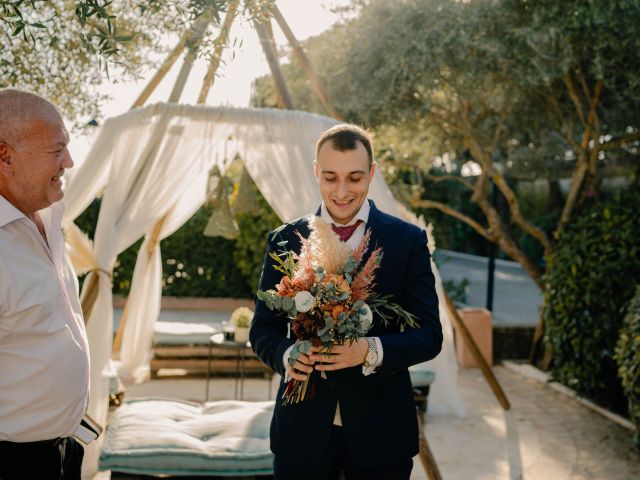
column 303, row 366
column 341, row 356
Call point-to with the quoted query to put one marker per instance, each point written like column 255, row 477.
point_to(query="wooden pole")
column 284, row 98
column 199, row 29
column 461, row 328
column 89, row 295
column 151, row 246
column 186, row 39
column 221, row 43
column 426, row 456
column 312, row 75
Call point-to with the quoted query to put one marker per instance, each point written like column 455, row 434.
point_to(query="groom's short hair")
column 345, row 136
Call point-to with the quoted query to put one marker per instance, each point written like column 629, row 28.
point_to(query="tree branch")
column 574, row 97
column 444, row 118
column 593, row 118
column 453, row 178
column 512, row 200
column 567, row 124
column 417, row 203
column 576, row 182
column 516, row 213
column 582, row 167
column 496, row 134
column 620, row 141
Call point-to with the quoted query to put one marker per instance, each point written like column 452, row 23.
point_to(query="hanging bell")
column 213, row 182
column 247, row 197
column 221, row 222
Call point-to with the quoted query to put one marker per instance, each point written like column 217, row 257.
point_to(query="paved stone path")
column 545, row 436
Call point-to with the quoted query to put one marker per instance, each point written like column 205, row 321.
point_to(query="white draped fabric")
column 152, row 166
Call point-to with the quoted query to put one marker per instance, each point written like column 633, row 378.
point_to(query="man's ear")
column 6, row 160
column 372, row 171
column 315, row 169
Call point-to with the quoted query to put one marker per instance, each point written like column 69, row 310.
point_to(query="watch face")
column 372, row 357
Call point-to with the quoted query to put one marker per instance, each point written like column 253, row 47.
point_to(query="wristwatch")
column 371, row 357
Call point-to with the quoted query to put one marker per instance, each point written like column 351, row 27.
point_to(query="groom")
column 361, row 419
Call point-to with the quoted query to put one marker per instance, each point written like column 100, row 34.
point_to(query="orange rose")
column 285, row 287
column 338, row 281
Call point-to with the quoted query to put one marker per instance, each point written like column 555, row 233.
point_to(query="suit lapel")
column 375, row 223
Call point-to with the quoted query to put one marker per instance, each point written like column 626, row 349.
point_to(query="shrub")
column 628, row 357
column 589, row 280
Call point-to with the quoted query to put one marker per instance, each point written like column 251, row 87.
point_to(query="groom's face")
column 344, row 178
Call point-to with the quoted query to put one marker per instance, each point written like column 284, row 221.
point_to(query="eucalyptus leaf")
column 287, row 303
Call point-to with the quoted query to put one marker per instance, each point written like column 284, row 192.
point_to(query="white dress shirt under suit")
column 44, row 354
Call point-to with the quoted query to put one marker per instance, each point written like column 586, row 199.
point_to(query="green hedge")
column 628, row 358
column 589, row 280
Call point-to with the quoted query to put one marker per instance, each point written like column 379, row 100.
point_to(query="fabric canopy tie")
column 344, row 233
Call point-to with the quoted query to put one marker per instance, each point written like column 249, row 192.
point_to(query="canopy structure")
column 152, row 166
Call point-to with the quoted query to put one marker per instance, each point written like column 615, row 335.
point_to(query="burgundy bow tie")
column 345, row 232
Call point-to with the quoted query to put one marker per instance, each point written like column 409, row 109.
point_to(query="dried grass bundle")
column 363, row 284
column 328, row 251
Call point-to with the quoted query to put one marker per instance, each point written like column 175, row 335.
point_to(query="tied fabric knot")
column 344, row 233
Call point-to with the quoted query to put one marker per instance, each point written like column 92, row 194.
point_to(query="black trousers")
column 338, row 460
column 59, row 459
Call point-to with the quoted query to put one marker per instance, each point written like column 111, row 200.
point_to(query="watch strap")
column 372, row 347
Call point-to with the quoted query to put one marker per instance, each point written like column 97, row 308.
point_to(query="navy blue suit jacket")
column 378, row 412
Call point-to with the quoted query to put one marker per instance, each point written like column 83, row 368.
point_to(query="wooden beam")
column 199, row 29
column 89, row 294
column 219, row 365
column 462, row 330
column 151, row 246
column 312, row 75
column 221, row 43
column 186, row 39
column 284, row 98
column 426, row 455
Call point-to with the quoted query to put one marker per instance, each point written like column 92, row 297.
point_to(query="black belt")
column 54, row 442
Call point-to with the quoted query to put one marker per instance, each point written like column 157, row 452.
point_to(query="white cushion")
column 157, row 436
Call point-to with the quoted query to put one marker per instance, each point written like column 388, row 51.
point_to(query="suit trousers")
column 57, row 459
column 336, row 461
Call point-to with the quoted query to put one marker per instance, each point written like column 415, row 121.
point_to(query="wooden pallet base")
column 194, row 360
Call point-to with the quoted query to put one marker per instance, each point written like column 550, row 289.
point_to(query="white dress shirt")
column 44, row 354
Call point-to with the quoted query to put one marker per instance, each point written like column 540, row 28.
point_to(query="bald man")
column 44, row 355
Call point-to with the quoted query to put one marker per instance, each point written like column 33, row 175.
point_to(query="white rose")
column 304, row 301
column 366, row 319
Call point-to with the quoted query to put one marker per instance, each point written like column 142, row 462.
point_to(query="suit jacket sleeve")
column 269, row 328
column 415, row 345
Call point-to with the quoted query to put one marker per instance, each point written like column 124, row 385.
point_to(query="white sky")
column 244, row 63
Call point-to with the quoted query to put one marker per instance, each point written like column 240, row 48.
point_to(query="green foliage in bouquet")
column 628, row 357
column 590, row 280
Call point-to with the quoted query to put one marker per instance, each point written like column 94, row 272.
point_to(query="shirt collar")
column 9, row 213
column 363, row 214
